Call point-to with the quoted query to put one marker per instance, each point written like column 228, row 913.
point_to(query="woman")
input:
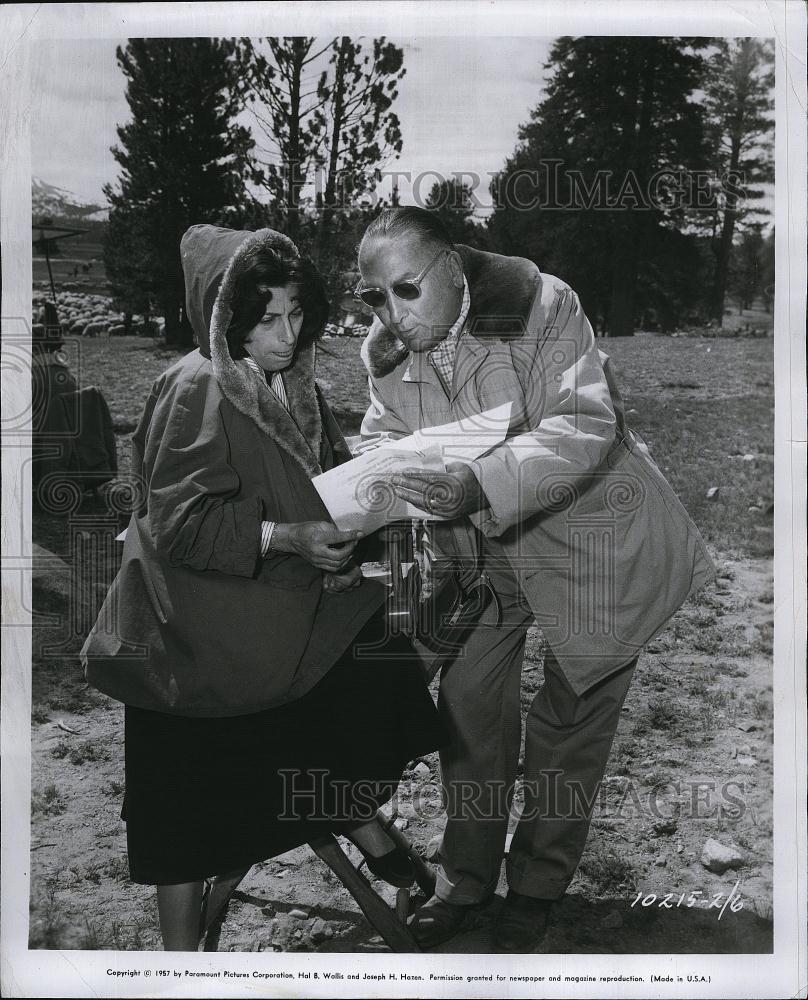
column 265, row 701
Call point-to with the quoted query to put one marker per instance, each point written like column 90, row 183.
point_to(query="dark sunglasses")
column 408, row 289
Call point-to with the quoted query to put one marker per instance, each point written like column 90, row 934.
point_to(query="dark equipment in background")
column 73, row 438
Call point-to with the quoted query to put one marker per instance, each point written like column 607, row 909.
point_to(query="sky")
column 461, row 103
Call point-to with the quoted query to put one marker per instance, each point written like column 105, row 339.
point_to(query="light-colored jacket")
column 604, row 551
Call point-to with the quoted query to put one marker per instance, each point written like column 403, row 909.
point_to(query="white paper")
column 358, row 494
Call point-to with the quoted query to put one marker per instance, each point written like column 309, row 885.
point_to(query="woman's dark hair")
column 270, row 269
column 409, row 220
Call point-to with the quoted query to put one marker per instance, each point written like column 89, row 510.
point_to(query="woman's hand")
column 338, row 583
column 318, row 542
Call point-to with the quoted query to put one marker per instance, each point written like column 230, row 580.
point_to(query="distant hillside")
column 49, row 201
column 80, row 258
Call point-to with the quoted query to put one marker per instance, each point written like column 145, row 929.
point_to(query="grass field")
column 698, row 715
column 703, row 407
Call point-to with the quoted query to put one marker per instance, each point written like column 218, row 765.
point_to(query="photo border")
column 27, row 973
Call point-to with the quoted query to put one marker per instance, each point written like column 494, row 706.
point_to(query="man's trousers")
column 567, row 743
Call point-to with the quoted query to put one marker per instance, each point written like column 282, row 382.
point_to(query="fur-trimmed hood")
column 212, row 259
column 502, row 291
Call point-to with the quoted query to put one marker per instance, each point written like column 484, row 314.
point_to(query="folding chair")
column 391, row 926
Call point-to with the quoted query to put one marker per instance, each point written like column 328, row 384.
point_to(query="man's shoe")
column 437, row 921
column 521, row 923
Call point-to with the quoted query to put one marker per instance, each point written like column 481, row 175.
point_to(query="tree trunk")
column 293, row 178
column 723, row 254
column 185, row 332
column 724, row 249
column 171, row 306
column 333, row 160
column 172, row 325
column 624, row 284
column 629, row 231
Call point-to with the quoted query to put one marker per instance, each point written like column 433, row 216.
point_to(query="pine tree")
column 363, row 132
column 275, row 83
column 739, row 109
column 454, row 203
column 128, row 263
column 589, row 193
column 749, row 267
column 324, row 109
column 182, row 159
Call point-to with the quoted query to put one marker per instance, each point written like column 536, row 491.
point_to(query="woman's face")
column 272, row 342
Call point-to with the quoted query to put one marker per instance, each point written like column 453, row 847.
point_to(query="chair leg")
column 378, row 913
column 424, row 875
column 218, row 897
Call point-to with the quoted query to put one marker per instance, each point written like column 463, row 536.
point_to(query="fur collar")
column 502, row 291
column 301, row 437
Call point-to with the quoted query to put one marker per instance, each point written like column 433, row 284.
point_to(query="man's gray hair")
column 409, row 221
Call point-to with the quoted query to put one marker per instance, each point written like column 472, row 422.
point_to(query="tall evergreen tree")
column 739, row 109
column 280, row 85
column 767, row 271
column 453, row 202
column 362, row 130
column 182, row 159
column 590, row 191
column 128, row 262
column 325, row 110
column 749, row 267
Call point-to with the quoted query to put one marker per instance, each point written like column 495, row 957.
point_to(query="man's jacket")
column 603, row 550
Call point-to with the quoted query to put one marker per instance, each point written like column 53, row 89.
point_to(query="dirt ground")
column 692, row 759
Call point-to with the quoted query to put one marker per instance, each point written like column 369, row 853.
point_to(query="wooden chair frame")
column 391, row 925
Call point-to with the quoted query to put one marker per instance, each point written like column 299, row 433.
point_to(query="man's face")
column 423, row 322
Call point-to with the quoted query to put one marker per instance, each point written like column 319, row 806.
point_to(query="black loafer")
column 521, row 923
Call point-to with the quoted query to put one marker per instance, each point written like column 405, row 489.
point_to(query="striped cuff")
column 267, row 528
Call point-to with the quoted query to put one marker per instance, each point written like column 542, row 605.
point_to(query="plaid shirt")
column 442, row 357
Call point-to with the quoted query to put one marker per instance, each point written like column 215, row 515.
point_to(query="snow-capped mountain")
column 55, row 203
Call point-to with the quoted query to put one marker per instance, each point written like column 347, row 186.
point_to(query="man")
column 574, row 525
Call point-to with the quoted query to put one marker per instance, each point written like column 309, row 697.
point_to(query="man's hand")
column 318, row 542
column 338, row 583
column 447, row 494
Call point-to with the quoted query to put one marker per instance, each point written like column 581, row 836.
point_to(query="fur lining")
column 300, row 437
column 502, row 291
column 381, row 350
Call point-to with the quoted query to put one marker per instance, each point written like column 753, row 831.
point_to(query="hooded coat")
column 196, row 623
column 603, row 550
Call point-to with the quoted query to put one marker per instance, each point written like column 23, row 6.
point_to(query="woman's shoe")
column 394, row 867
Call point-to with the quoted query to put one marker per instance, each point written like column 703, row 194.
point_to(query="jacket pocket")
column 612, row 490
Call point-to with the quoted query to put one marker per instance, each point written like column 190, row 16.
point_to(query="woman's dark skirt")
column 206, row 796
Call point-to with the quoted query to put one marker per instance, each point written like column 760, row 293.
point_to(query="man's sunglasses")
column 408, row 289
